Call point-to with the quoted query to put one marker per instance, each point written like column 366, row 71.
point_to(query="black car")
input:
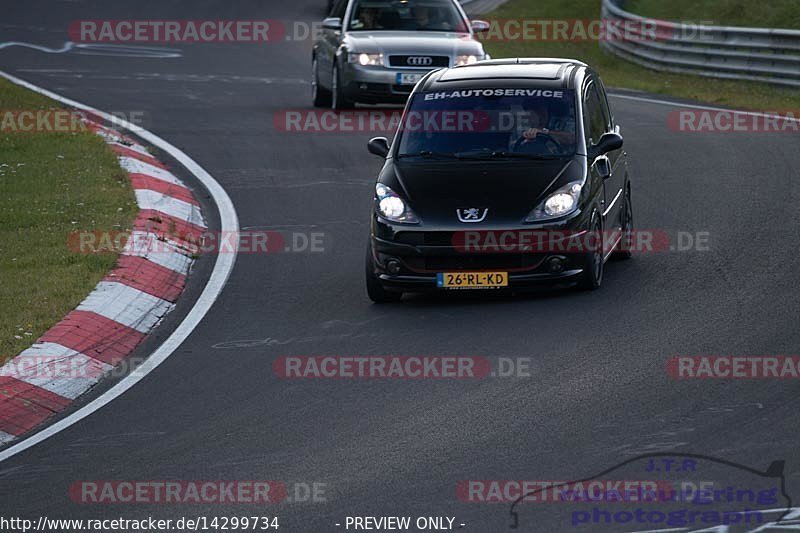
column 502, row 174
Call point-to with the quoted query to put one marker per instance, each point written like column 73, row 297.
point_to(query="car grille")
column 435, row 61
column 444, row 263
column 453, row 260
column 426, row 238
column 402, row 89
column 479, row 262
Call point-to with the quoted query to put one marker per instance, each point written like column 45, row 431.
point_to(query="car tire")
column 340, row 101
column 375, row 290
column 625, row 248
column 593, row 262
column 320, row 96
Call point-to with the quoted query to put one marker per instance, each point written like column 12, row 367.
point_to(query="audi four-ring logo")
column 419, row 61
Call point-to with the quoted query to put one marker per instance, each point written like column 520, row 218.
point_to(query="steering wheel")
column 552, row 145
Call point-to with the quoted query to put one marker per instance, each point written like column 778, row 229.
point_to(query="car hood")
column 412, row 43
column 510, row 190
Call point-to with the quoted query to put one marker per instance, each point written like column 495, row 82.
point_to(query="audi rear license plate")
column 408, row 79
column 472, row 280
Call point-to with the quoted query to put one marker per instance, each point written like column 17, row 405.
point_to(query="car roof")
column 542, row 72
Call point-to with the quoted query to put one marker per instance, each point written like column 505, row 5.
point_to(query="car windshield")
column 409, row 15
column 490, row 123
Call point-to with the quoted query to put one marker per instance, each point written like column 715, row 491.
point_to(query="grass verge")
column 50, row 185
column 619, row 73
column 771, row 14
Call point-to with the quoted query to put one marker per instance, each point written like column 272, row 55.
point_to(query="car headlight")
column 560, row 203
column 391, row 207
column 365, row 60
column 466, row 60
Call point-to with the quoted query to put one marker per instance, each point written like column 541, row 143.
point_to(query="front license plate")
column 471, row 280
column 408, row 79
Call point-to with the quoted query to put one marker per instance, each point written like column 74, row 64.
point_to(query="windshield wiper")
column 500, row 154
column 428, row 153
column 523, row 155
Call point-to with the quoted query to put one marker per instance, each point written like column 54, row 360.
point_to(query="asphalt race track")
column 598, row 392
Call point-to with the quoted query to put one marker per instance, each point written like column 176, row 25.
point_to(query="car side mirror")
column 479, row 26
column 607, row 143
column 378, row 146
column 332, row 23
column 602, row 166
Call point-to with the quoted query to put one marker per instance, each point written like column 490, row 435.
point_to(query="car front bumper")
column 422, row 255
column 376, row 85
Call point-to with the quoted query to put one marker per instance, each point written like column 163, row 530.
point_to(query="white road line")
column 703, row 107
column 169, row 205
column 126, row 305
column 134, row 166
column 66, row 48
column 56, row 368
column 219, row 276
column 114, row 50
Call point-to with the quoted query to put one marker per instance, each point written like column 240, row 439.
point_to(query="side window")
column 594, row 118
column 339, row 8
column 606, row 108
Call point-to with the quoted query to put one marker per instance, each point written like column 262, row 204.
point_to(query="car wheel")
column 592, row 276
column 375, row 290
column 320, row 95
column 625, row 248
column 340, row 101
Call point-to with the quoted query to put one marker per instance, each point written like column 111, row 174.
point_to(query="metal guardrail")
column 758, row 54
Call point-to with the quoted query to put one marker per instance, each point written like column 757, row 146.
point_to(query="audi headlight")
column 391, row 207
column 466, row 60
column 562, row 202
column 365, row 60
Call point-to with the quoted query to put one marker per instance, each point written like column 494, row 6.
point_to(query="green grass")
column 619, row 73
column 51, row 184
column 768, row 14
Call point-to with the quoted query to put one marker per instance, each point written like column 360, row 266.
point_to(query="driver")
column 544, row 126
column 427, row 18
column 368, row 17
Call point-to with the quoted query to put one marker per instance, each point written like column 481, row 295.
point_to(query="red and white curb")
column 124, row 307
column 214, row 285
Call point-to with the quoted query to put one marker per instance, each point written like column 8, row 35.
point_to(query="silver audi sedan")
column 375, row 51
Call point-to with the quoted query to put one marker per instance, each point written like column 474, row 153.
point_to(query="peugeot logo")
column 419, row 61
column 472, row 214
